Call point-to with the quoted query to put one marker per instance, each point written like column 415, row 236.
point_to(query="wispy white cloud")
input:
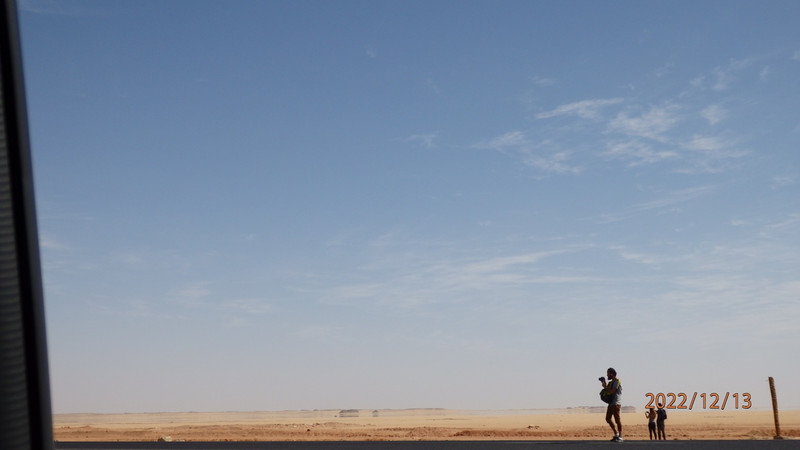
column 512, row 139
column 669, row 201
column 150, row 259
column 451, row 280
column 677, row 197
column 194, row 291
column 503, row 263
column 739, row 222
column 652, row 124
column 196, row 296
column 127, row 307
column 47, row 242
column 706, row 143
column 543, row 81
column 557, row 163
column 714, row 114
column 710, row 154
column 664, row 70
column 426, row 140
column 59, row 8
column 717, row 278
column 41, row 6
column 779, row 181
column 764, row 74
column 131, row 258
column 540, row 156
column 724, row 76
column 790, row 223
column 586, row 109
column 434, row 86
column 641, row 258
column 388, row 239
column 637, row 153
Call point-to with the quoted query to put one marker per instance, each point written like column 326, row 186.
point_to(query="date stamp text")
column 710, row 400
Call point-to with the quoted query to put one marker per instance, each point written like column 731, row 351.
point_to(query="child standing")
column 651, row 422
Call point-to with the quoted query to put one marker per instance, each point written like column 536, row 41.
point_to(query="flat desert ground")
column 414, row 424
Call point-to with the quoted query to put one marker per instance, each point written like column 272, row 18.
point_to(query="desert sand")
column 414, row 424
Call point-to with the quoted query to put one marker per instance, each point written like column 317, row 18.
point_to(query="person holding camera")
column 612, row 394
column 651, row 422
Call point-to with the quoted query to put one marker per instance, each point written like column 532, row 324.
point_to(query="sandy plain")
column 414, row 424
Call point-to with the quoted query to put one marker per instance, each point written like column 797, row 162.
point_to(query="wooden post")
column 775, row 408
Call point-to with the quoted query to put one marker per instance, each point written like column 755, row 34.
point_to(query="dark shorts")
column 660, row 424
column 613, row 410
column 651, row 426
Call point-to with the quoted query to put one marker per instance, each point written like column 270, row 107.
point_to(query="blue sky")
column 295, row 205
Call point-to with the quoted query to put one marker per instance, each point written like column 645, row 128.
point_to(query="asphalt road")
column 430, row 445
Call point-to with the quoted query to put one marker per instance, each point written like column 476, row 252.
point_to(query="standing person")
column 651, row 422
column 612, row 394
column 662, row 416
